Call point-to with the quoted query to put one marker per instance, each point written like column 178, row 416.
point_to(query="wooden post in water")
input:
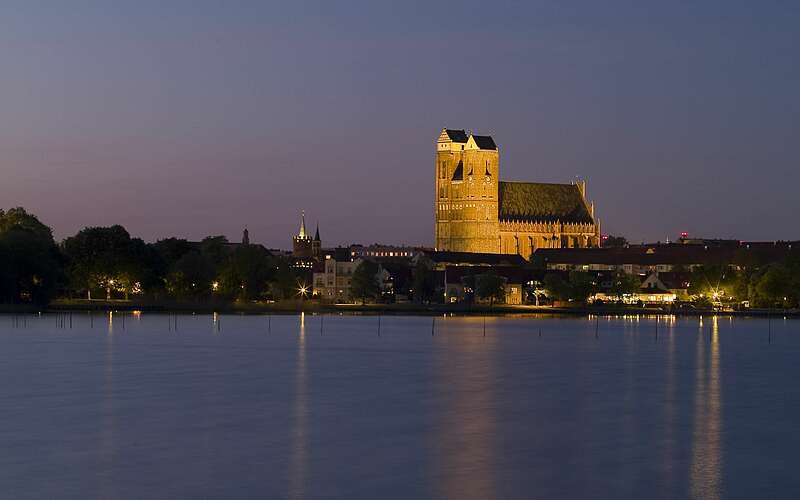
column 70, row 320
column 269, row 323
column 597, row 327
column 123, row 321
column 484, row 325
column 540, row 331
column 321, row 322
column 433, row 325
column 769, row 328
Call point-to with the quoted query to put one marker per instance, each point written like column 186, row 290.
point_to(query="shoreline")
column 297, row 307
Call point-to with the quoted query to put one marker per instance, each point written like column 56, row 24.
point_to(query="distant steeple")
column 302, row 233
column 316, row 233
column 246, row 236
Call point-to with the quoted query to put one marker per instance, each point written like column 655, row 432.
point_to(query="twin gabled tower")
column 466, row 189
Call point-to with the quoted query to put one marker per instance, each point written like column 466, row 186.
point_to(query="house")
column 333, row 276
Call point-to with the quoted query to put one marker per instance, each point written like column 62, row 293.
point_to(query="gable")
column 484, row 142
column 452, row 135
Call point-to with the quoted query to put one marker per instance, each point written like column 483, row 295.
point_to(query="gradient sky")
column 195, row 118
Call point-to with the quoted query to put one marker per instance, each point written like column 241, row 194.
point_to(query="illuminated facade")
column 477, row 212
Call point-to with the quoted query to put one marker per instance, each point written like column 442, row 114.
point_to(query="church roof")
column 535, row 201
column 456, row 135
column 316, row 234
column 485, row 142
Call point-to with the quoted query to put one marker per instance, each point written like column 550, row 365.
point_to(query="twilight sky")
column 191, row 118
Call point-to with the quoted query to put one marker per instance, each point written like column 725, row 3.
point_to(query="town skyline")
column 195, row 120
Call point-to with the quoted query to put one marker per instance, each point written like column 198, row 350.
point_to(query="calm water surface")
column 160, row 406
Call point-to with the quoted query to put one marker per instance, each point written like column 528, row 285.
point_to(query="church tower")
column 467, row 178
column 301, row 243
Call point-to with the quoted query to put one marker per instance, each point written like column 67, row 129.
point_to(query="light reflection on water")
column 615, row 407
column 465, row 370
column 706, row 468
column 298, row 461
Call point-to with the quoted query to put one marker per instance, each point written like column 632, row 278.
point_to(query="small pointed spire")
column 316, row 233
column 245, row 236
column 302, row 233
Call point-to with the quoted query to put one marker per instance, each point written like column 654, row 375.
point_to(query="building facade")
column 477, row 212
column 332, row 281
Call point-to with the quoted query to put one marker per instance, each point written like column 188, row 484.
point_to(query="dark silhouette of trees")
column 107, row 258
column 364, row 284
column 490, row 286
column 246, row 273
column 425, row 284
column 30, row 264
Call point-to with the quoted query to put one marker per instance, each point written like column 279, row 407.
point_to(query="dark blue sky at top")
column 195, row 118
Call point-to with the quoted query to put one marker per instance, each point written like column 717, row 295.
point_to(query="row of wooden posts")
column 64, row 320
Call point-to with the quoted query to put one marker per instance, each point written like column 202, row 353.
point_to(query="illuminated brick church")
column 477, row 212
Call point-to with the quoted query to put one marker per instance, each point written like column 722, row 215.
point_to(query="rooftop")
column 537, row 201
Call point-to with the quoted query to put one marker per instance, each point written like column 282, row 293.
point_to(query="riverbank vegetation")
column 106, row 265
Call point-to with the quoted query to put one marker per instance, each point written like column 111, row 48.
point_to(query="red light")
column 605, row 237
column 684, row 234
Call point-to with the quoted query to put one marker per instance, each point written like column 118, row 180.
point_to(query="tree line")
column 107, row 263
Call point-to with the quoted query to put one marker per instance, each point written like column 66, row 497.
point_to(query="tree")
column 581, row 285
column 490, row 286
column 615, row 242
column 247, row 272
column 556, row 287
column 774, row 288
column 30, row 264
column 624, row 284
column 215, row 248
column 364, row 284
column 108, row 258
column 191, row 275
column 469, row 283
column 285, row 282
column 536, row 289
column 717, row 282
column 424, row 282
column 170, row 250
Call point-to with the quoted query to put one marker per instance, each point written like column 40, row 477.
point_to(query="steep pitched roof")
column 484, row 142
column 535, row 201
column 459, row 136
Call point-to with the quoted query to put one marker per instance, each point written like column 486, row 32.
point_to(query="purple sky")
column 197, row 118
